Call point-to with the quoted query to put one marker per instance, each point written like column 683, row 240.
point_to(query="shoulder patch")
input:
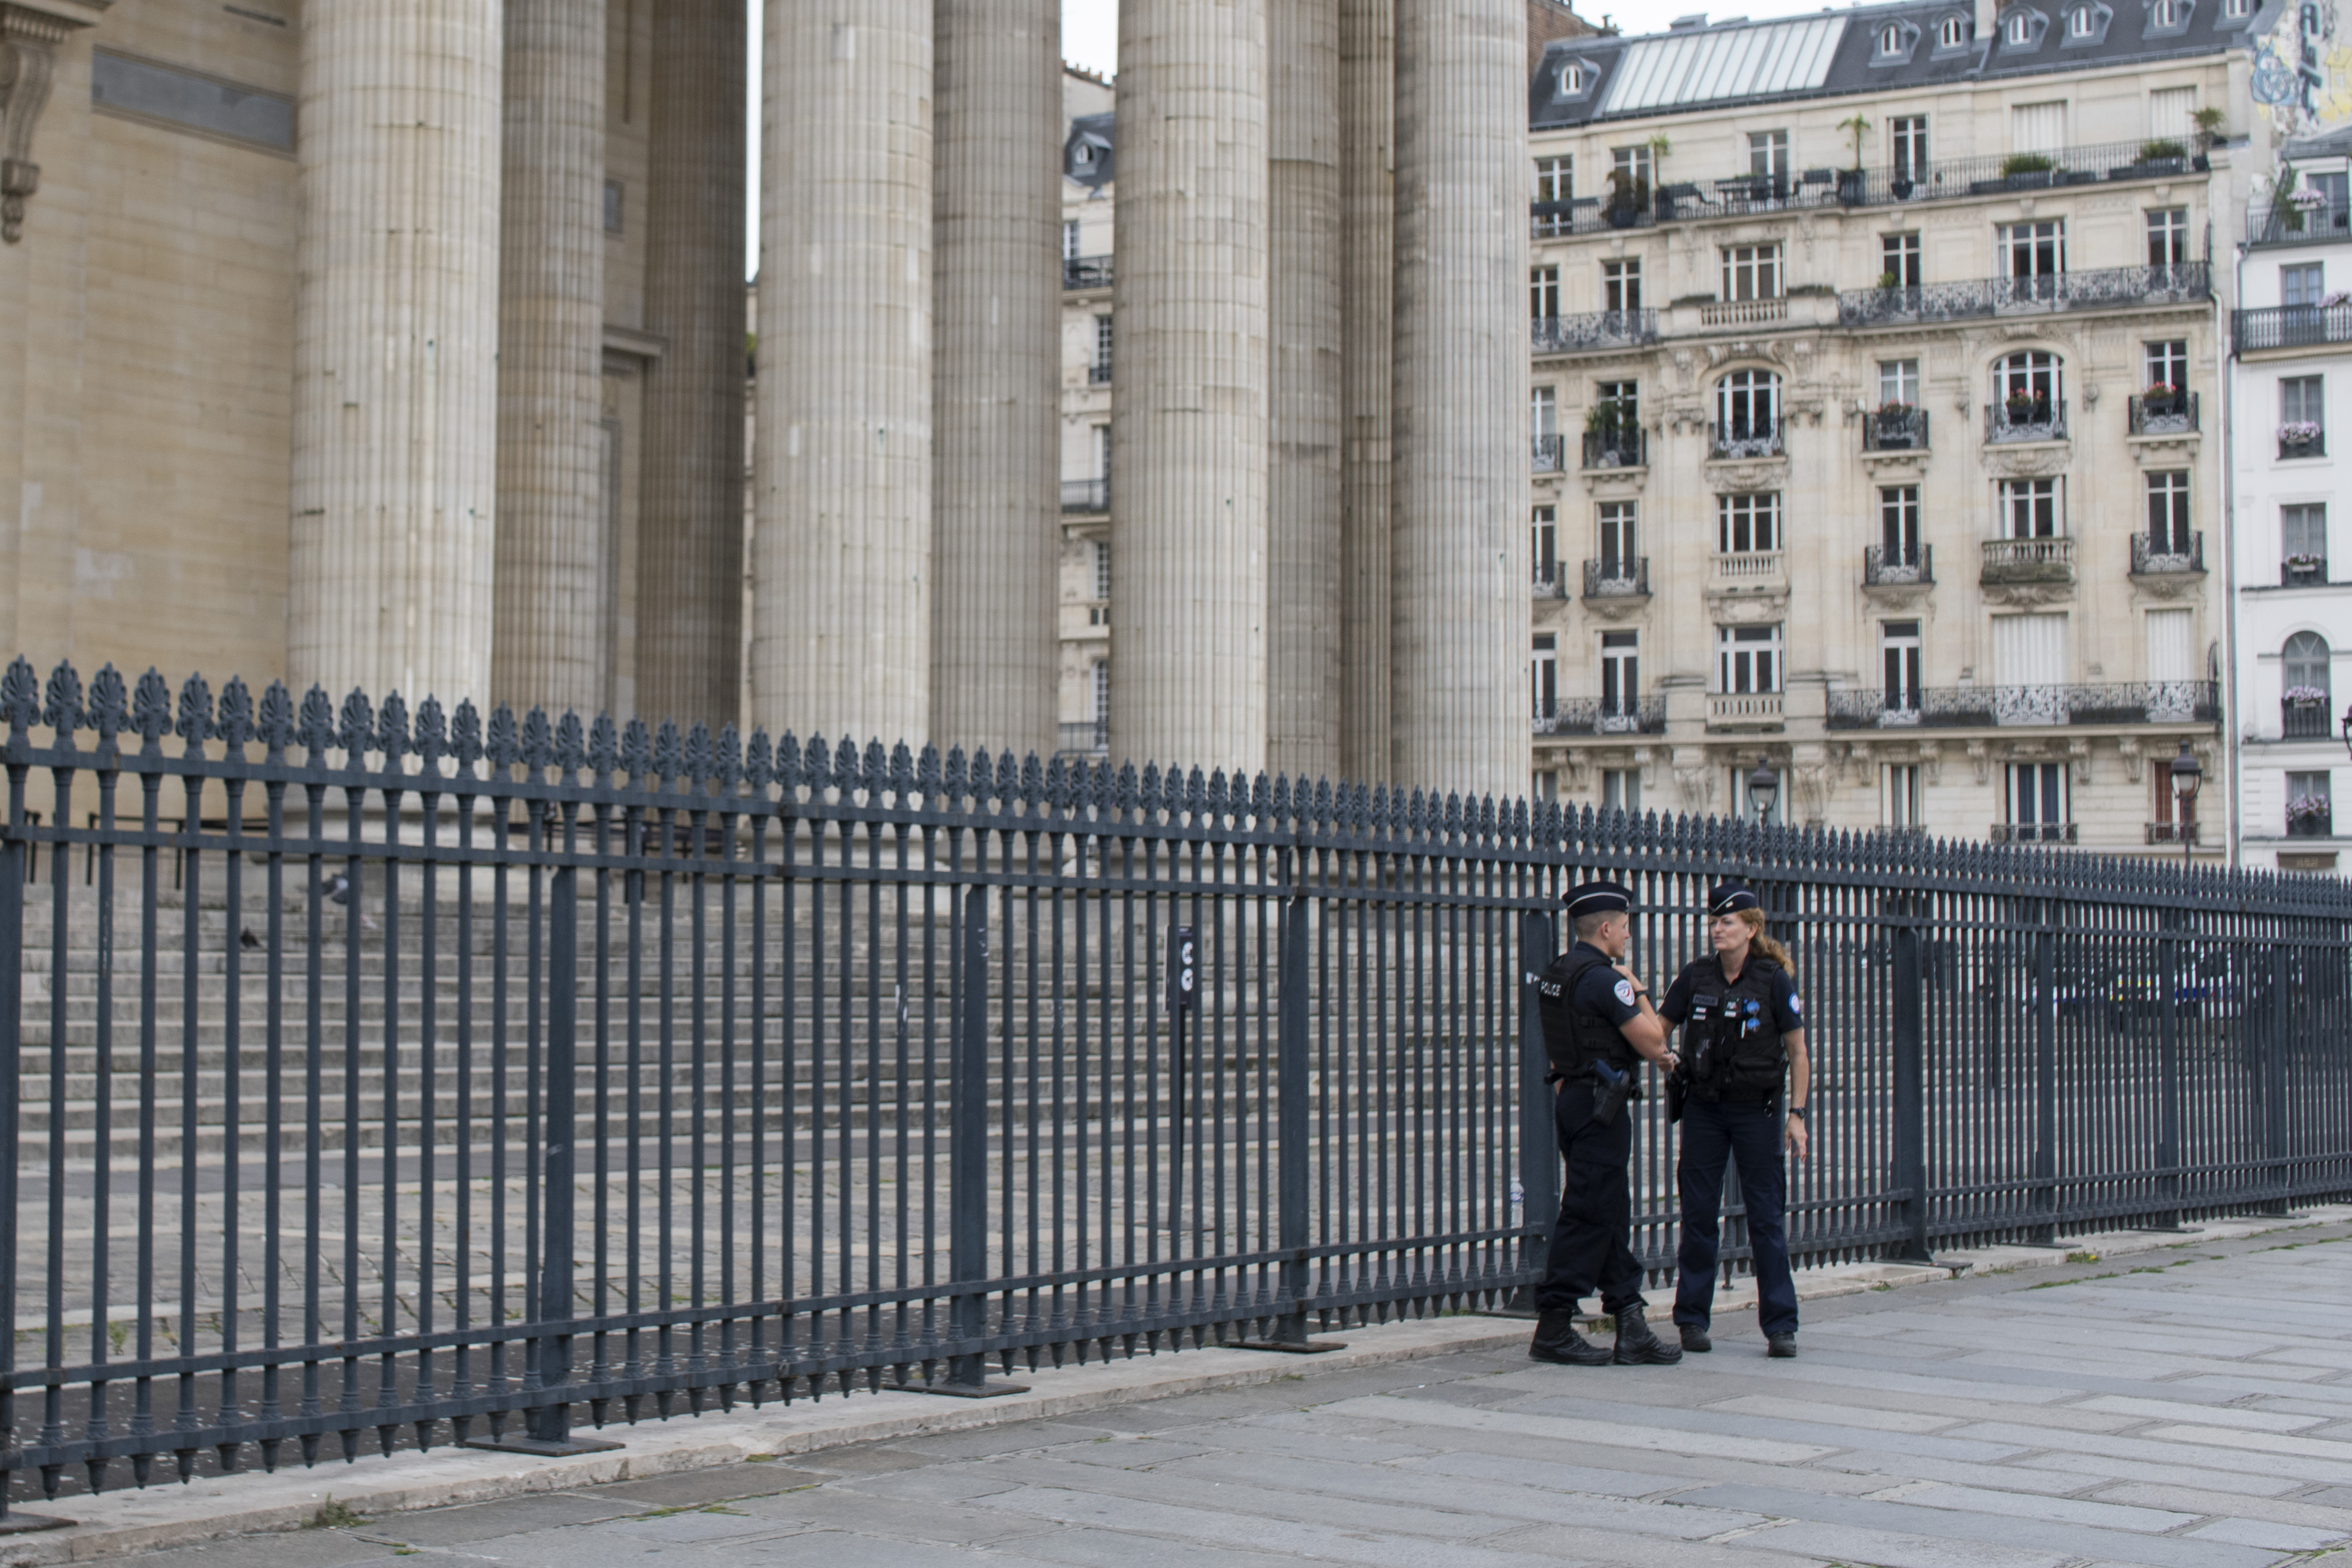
column 1796, row 1004
column 1626, row 992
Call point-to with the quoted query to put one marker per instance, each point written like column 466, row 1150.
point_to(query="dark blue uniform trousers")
column 1715, row 1135
column 1589, row 1242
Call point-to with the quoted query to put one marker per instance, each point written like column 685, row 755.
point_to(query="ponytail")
column 1767, row 946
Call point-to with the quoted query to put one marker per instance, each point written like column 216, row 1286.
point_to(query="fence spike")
column 235, row 723
column 504, row 745
column 788, row 766
column 432, row 734
column 636, row 751
column 727, row 760
column 695, row 755
column 603, row 752
column 20, row 697
column 392, row 730
column 276, row 725
column 571, row 747
column 466, row 735
column 538, row 740
column 63, row 711
column 760, row 761
column 151, row 710
column 356, row 730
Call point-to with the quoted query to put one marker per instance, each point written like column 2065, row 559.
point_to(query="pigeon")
column 247, row 940
column 337, row 889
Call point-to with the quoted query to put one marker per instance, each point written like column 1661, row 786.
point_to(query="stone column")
column 690, row 528
column 995, row 507
column 1188, row 672
column 1367, row 270
column 1303, row 520
column 550, row 643
column 1461, row 455
column 395, row 356
column 841, row 556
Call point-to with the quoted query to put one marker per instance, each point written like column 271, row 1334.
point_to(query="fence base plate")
column 25, row 1523
column 543, row 1447
column 1289, row 1346
column 992, row 1390
column 1529, row 1313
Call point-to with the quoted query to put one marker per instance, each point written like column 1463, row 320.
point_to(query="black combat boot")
column 1638, row 1344
column 1695, row 1338
column 1557, row 1341
column 1780, row 1347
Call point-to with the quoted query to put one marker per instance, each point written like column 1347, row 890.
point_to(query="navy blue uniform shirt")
column 1788, row 1008
column 1606, row 993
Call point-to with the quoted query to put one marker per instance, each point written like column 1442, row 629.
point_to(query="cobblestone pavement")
column 2189, row 1408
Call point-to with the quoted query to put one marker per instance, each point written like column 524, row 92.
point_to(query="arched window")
column 2306, row 660
column 1890, row 38
column 1571, row 79
column 1747, row 405
column 2028, row 388
column 1952, row 33
column 2020, row 29
column 2081, row 22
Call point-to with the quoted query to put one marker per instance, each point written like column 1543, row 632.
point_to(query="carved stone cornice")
column 1897, row 464
column 1748, row 606
column 2040, row 460
column 2027, row 595
column 29, row 37
column 2166, row 586
column 1748, row 473
column 1616, row 608
column 2164, row 450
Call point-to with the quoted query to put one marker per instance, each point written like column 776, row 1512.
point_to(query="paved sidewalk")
column 2185, row 1409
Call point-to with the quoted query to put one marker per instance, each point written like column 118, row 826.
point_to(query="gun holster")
column 1614, row 1089
column 1677, row 1093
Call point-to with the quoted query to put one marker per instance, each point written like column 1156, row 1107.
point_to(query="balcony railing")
column 2174, row 833
column 1548, row 583
column 1583, row 215
column 2290, row 327
column 1745, row 438
column 2154, row 557
column 1085, row 494
column 2182, row 283
column 2162, row 414
column 2311, row 572
column 1619, row 448
column 2028, row 561
column 1550, row 454
column 2033, row 832
column 2326, row 225
column 1749, row 569
column 1089, row 736
column 2040, row 418
column 1984, row 707
column 1743, row 708
column 1594, row 329
column 1882, row 568
column 1617, row 578
column 1594, row 715
column 1085, row 272
column 2322, row 826
column 1895, row 430
column 2303, row 443
column 1744, row 312
column 2303, row 721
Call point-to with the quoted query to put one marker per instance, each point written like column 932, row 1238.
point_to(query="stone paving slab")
column 1968, row 1424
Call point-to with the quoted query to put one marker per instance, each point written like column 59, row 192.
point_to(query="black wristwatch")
column 1797, row 1112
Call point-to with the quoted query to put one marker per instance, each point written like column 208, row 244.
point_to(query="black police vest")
column 1731, row 1041
column 1575, row 1038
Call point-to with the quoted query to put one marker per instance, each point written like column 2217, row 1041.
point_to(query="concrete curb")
column 118, row 1524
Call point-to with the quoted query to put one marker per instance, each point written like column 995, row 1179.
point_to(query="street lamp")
column 2188, row 778
column 1764, row 788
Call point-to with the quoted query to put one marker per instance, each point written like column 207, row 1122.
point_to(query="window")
column 1898, row 796
column 1908, row 143
column 612, row 196
column 2029, row 508
column 1899, row 381
column 1621, row 789
column 1625, row 396
column 2310, row 805
column 1544, row 546
column 2018, row 31
column 2302, row 419
column 1545, row 411
column 2168, row 236
column 2029, row 661
column 1620, row 675
column 1751, row 272
column 2037, row 127
column 1898, row 661
column 1747, row 523
column 1543, row 673
column 1768, row 153
column 2304, row 663
column 1543, row 292
column 1890, row 38
column 1634, row 162
column 1101, row 368
column 1556, row 179
column 1102, row 570
column 2082, row 23
column 2168, row 17
column 1747, row 406
column 2027, row 385
column 1098, row 677
column 1898, row 524
column 2335, row 187
column 1621, row 285
column 1747, row 658
column 2171, row 662
column 1898, row 258
column 1082, row 156
column 2302, row 536
column 1954, row 32
column 2032, row 250
column 1619, row 547
column 1572, row 80
column 2237, row 10
column 1069, row 239
column 2172, row 112
column 2168, row 513
column 2037, row 801
column 2301, row 284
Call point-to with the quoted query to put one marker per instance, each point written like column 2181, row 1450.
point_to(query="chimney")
column 1988, row 20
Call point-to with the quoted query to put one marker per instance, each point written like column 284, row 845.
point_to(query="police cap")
column 1598, row 898
column 1730, row 898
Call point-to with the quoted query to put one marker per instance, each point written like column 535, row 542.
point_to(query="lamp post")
column 1763, row 790
column 2188, row 778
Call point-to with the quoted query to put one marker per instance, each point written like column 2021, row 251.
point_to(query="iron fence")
column 482, row 1075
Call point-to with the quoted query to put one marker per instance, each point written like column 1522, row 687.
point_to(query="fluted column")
column 995, row 507
column 550, row 645
column 1461, row 467
column 690, row 527
column 1187, row 677
column 396, row 372
column 841, row 634
column 1303, row 514
column 1368, row 271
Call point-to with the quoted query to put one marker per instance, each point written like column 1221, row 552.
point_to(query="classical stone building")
column 400, row 344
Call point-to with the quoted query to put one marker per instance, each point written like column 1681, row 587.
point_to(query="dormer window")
column 2021, row 27
column 1571, row 79
column 2019, row 31
column 2169, row 16
column 1575, row 78
column 1954, row 32
column 2082, row 23
column 1896, row 41
column 1082, row 156
column 2237, row 10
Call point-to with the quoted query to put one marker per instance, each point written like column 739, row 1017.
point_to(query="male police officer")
column 1597, row 1027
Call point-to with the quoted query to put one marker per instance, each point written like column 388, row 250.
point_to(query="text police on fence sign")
column 1182, row 976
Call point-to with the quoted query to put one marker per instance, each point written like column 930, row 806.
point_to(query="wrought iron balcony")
column 2290, row 327
column 2162, row 414
column 2182, row 283
column 2303, row 721
column 2301, row 439
column 1085, row 494
column 1894, row 428
column 1743, row 708
column 1744, row 312
column 2154, row 557
column 1745, row 438
column 1085, row 272
column 1550, row 454
column 1595, row 716
column 1740, row 195
column 2311, row 825
column 2327, row 223
column 1091, row 736
column 2028, row 561
column 1984, row 707
column 1619, row 448
column 2303, row 571
column 2026, row 419
column 2175, row 833
column 2033, row 833
column 1594, row 329
column 1583, row 215
column 1882, row 568
column 1617, row 578
column 1548, row 583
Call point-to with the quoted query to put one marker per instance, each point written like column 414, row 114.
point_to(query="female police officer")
column 1743, row 1031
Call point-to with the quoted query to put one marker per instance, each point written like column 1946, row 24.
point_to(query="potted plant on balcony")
column 1849, row 181
column 1605, row 427
column 2158, row 156
column 1628, row 195
column 2305, row 696
column 1895, row 424
column 2304, row 568
column 2162, row 400
column 2208, row 127
column 2025, row 408
column 2307, row 817
column 2022, row 171
column 2297, row 437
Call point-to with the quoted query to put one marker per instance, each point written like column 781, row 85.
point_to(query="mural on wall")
column 2303, row 75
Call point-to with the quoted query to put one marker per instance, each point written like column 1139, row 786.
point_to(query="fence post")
column 1909, row 1001
column 1538, row 1174
column 13, row 855
column 966, row 1375
column 549, row 1427
column 2170, row 1182
column 1293, row 1195
column 2046, row 1074
column 2274, row 1082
